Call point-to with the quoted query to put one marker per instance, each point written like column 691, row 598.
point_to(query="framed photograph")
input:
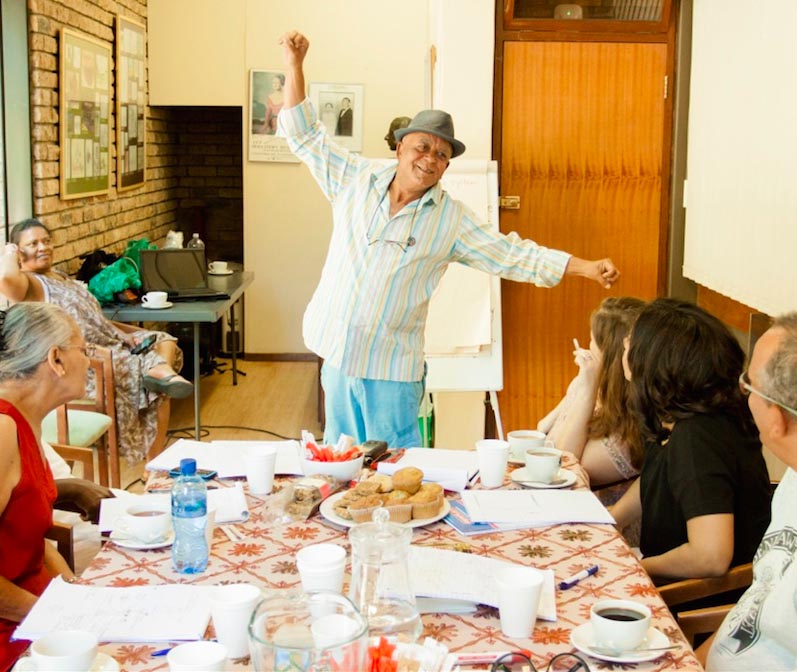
column 265, row 101
column 131, row 103
column 84, row 123
column 340, row 109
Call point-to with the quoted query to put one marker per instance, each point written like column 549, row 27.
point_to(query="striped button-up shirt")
column 368, row 313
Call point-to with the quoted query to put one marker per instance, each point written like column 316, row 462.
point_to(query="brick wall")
column 107, row 221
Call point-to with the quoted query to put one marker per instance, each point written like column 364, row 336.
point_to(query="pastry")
column 362, row 510
column 428, row 501
column 408, row 479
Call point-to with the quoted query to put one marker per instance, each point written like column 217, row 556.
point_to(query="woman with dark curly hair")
column 592, row 420
column 703, row 493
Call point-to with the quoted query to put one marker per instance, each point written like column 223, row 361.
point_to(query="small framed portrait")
column 265, row 102
column 340, row 109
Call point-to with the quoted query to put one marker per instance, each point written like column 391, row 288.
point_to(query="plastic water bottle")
column 189, row 517
column 195, row 242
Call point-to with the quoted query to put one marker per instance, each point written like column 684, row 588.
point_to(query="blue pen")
column 160, row 652
column 576, row 578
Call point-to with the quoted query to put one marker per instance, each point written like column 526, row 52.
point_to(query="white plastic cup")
column 519, row 590
column 542, row 464
column 65, row 651
column 259, row 462
column 231, row 607
column 155, row 299
column 218, row 266
column 321, row 567
column 333, row 630
column 521, row 440
column 619, row 624
column 197, row 657
column 492, row 455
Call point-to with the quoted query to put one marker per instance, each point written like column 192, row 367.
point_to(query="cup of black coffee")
column 619, row 624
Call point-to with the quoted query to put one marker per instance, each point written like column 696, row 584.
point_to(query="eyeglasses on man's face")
column 747, row 388
column 517, row 661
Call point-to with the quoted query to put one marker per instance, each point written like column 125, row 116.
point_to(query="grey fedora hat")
column 437, row 123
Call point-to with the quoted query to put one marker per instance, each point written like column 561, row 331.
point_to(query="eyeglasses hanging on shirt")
column 405, row 244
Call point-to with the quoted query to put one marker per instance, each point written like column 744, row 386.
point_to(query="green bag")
column 134, row 247
column 120, row 275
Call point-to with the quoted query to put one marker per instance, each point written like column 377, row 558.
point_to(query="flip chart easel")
column 459, row 363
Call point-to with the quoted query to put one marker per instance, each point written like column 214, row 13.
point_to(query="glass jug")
column 314, row 632
column 380, row 583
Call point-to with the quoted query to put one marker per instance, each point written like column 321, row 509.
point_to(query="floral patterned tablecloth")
column 265, row 556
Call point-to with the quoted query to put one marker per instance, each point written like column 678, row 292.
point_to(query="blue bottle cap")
column 188, row 466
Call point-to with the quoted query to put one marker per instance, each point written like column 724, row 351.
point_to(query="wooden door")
column 582, row 138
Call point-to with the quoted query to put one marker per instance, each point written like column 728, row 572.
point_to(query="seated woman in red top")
column 43, row 364
column 703, row 492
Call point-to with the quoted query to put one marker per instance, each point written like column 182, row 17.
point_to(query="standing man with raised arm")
column 395, row 231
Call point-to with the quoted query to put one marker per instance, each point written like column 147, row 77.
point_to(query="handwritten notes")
column 172, row 612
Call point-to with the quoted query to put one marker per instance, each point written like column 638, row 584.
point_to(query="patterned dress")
column 136, row 408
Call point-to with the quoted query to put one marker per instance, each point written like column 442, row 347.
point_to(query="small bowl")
column 345, row 471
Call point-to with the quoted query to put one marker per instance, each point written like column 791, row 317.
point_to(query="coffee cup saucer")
column 564, row 479
column 121, row 538
column 159, row 306
column 583, row 638
column 227, row 272
column 102, row 663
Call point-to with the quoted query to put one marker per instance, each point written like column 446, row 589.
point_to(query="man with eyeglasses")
column 395, row 232
column 759, row 632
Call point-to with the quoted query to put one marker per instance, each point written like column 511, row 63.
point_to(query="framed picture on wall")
column 131, row 103
column 265, row 102
column 340, row 109
column 85, row 98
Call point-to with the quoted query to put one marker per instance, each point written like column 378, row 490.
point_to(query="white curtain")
column 741, row 196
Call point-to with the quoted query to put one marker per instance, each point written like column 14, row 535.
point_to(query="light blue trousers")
column 382, row 410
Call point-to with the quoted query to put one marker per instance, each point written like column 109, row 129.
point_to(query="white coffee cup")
column 197, row 657
column 259, row 462
column 154, row 299
column 492, row 455
column 521, row 440
column 321, row 567
column 67, row 651
column 145, row 523
column 519, row 590
column 619, row 624
column 218, row 267
column 231, row 607
column 542, row 464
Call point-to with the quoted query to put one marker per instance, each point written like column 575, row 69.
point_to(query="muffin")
column 399, row 513
column 428, row 501
column 362, row 510
column 369, row 487
column 408, row 479
column 384, row 481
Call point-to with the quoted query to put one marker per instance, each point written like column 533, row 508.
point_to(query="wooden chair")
column 63, row 536
column 90, row 423
column 74, row 455
column 688, row 590
column 704, row 621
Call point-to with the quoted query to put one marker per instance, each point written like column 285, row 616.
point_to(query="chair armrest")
column 702, row 621
column 687, row 590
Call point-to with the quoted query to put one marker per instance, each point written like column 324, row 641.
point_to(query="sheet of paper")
column 230, row 504
column 535, row 508
column 172, row 612
column 473, row 580
column 227, row 457
column 449, row 468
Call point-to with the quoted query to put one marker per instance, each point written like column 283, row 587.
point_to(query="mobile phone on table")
column 145, row 345
column 204, row 474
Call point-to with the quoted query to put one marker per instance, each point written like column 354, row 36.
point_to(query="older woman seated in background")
column 141, row 380
column 703, row 493
column 592, row 421
column 43, row 364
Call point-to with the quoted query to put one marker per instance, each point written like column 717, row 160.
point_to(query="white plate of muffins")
column 408, row 500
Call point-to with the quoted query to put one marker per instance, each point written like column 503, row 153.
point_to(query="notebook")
column 182, row 273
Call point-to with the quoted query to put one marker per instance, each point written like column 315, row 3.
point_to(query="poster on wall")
column 340, row 108
column 131, row 103
column 265, row 101
column 85, row 98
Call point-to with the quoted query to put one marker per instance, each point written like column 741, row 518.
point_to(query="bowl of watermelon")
column 341, row 464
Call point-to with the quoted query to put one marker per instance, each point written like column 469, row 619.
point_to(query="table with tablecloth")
column 265, row 557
